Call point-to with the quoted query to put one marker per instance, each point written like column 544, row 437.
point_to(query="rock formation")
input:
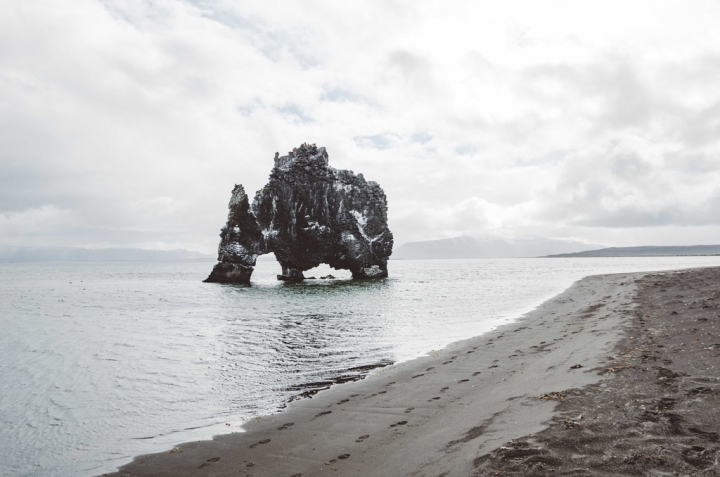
column 307, row 214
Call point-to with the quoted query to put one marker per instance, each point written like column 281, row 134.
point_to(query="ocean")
column 102, row 361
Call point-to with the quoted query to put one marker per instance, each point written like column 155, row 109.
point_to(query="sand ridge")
column 435, row 415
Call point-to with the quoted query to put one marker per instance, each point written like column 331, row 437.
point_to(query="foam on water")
column 103, row 361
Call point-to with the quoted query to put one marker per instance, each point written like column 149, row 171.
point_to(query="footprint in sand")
column 208, row 462
column 408, row 410
column 463, row 380
column 343, row 401
column 447, row 362
column 324, row 413
column 400, row 423
column 430, row 368
column 476, row 373
column 343, row 456
column 418, row 375
column 264, row 441
column 442, row 390
column 382, row 392
column 434, row 399
column 362, row 438
column 391, row 382
column 285, row 426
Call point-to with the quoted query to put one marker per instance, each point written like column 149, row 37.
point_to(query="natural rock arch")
column 307, row 214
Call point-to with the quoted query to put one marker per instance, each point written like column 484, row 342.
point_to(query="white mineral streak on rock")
column 373, row 271
column 269, row 232
column 312, row 225
column 236, row 248
column 340, row 187
column 361, row 220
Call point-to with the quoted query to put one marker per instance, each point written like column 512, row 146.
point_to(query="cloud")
column 249, row 107
column 295, row 113
column 466, row 150
column 342, row 94
column 129, row 122
column 421, row 137
column 378, row 141
column 271, row 41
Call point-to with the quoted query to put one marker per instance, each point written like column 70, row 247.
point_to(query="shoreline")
column 434, row 415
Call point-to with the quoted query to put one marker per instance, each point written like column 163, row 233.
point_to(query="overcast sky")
column 127, row 123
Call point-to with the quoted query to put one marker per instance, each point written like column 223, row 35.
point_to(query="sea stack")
column 307, row 214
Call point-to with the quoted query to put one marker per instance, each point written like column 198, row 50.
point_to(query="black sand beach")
column 615, row 376
column 657, row 410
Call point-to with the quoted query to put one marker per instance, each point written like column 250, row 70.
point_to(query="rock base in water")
column 225, row 272
column 291, row 275
column 370, row 272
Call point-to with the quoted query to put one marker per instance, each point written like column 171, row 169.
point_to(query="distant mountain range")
column 648, row 251
column 492, row 247
column 69, row 254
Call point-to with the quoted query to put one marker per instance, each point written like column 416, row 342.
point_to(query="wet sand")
column 469, row 408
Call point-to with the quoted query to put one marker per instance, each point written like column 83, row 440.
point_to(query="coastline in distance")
column 489, row 247
column 74, row 254
column 645, row 251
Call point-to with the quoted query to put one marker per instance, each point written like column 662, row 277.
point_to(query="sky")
column 127, row 123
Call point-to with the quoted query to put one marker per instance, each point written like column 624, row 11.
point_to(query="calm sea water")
column 103, row 361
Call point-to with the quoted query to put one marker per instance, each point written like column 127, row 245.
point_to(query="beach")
column 594, row 366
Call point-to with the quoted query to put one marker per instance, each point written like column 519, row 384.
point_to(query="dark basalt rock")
column 307, row 214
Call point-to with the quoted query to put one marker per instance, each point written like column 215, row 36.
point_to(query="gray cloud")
column 35, row 166
column 295, row 113
column 129, row 122
column 421, row 137
column 378, row 141
column 271, row 41
column 707, row 213
column 466, row 150
column 340, row 94
column 247, row 108
column 410, row 70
